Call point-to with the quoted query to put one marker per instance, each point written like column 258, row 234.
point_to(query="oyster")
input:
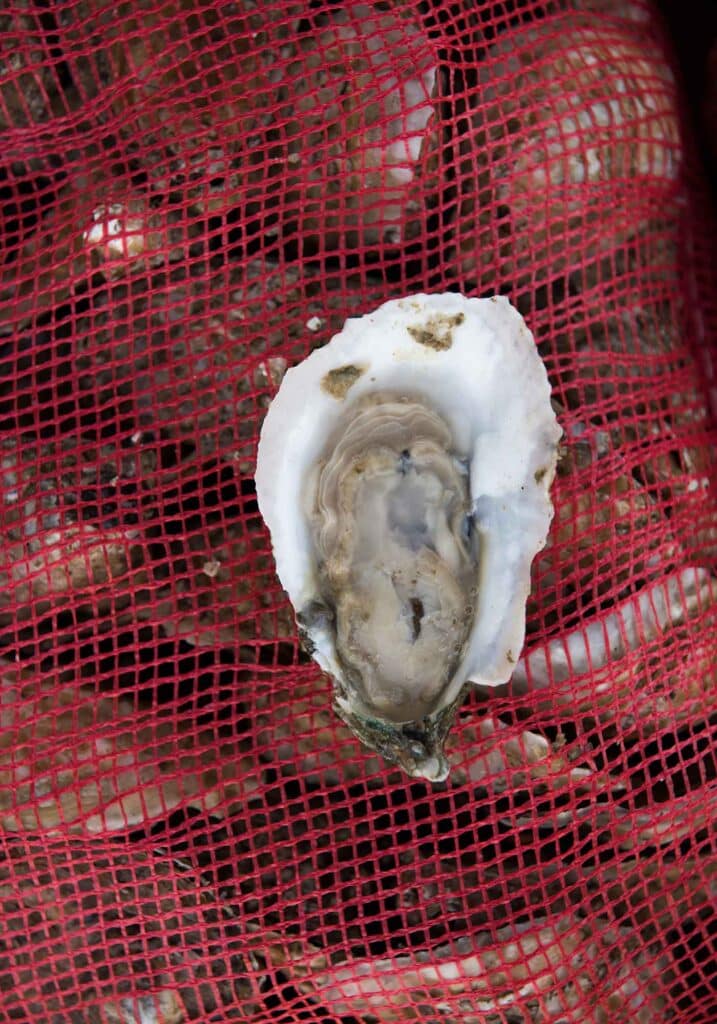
column 404, row 472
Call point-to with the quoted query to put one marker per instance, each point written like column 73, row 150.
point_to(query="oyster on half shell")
column 404, row 472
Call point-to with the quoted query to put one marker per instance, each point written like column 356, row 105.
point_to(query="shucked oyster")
column 404, row 473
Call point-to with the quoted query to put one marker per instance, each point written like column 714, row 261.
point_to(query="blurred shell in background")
column 575, row 126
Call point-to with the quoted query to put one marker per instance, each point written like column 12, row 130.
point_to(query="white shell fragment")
column 404, row 472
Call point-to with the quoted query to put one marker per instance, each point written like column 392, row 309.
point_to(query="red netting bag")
column 193, row 196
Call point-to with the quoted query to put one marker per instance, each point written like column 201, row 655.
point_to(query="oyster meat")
column 404, row 472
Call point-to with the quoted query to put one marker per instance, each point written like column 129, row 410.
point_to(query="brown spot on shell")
column 437, row 333
column 338, row 382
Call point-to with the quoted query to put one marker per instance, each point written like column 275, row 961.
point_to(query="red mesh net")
column 193, row 196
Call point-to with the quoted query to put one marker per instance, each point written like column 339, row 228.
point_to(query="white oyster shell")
column 404, row 472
